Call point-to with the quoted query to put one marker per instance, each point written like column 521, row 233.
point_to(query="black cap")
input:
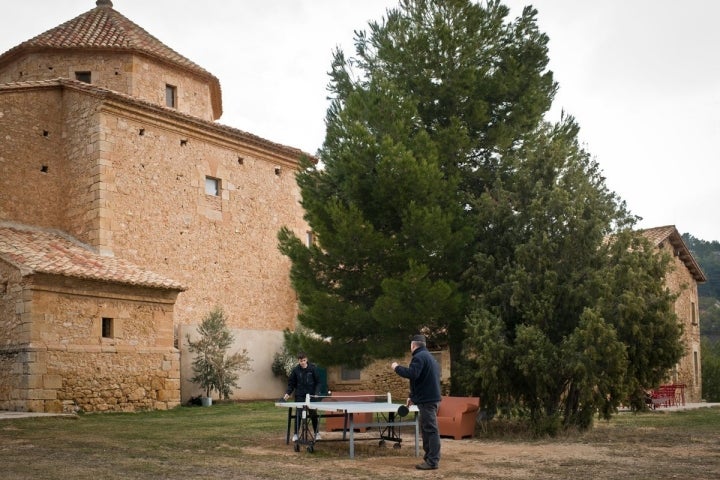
column 418, row 338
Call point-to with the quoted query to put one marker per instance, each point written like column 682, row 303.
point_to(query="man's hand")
column 285, row 397
column 393, row 365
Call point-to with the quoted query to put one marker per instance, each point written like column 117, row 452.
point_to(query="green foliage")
column 710, row 370
column 213, row 369
column 707, row 254
column 416, row 119
column 443, row 203
column 283, row 363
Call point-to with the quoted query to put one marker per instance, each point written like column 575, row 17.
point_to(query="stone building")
column 682, row 280
column 128, row 213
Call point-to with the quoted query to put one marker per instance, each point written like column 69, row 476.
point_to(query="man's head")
column 302, row 359
column 417, row 342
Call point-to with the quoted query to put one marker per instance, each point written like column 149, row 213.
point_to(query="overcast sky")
column 642, row 78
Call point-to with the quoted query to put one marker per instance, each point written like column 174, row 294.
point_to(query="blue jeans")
column 430, row 433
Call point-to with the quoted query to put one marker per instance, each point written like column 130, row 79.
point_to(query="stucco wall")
column 261, row 346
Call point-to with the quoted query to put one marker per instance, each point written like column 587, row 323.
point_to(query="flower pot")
column 206, row 401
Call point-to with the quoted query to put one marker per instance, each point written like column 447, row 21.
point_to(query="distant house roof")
column 669, row 233
column 104, row 28
column 35, row 250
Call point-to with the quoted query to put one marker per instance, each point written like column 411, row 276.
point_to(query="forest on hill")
column 707, row 255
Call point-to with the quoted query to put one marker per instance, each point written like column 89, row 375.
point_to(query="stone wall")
column 134, row 75
column 680, row 281
column 379, row 378
column 31, row 157
column 224, row 247
column 66, row 363
column 130, row 183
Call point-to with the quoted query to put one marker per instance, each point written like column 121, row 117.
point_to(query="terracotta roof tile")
column 105, row 28
column 669, row 233
column 35, row 250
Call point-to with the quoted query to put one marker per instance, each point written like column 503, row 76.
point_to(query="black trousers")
column 430, row 432
column 313, row 418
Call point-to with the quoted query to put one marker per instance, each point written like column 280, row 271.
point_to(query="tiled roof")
column 104, row 28
column 34, row 250
column 669, row 233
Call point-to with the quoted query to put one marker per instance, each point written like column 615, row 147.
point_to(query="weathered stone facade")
column 683, row 280
column 126, row 174
column 81, row 332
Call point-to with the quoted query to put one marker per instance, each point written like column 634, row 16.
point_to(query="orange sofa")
column 337, row 423
column 456, row 416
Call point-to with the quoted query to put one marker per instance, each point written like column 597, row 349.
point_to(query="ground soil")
column 598, row 455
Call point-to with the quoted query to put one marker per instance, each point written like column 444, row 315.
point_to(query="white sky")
column 642, row 77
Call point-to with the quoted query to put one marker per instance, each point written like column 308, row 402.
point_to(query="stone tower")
column 109, row 144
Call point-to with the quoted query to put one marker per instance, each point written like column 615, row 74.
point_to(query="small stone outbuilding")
column 81, row 331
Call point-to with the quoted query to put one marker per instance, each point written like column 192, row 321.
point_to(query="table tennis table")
column 385, row 420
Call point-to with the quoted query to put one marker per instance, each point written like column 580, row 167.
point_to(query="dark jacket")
column 303, row 381
column 424, row 375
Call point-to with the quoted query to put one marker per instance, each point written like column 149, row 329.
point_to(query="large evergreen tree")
column 443, row 203
column 417, row 119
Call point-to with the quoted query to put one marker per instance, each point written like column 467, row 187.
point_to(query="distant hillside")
column 707, row 255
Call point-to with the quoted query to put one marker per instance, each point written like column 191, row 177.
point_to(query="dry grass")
column 247, row 441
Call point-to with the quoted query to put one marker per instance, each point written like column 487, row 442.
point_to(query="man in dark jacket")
column 304, row 380
column 424, row 375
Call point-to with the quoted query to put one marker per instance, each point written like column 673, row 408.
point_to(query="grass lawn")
column 247, row 440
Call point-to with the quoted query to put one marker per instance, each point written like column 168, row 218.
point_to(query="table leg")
column 352, row 436
column 287, row 437
column 417, row 439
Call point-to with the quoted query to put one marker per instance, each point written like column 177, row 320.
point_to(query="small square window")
column 349, row 374
column 212, row 186
column 83, row 77
column 171, row 96
column 107, row 328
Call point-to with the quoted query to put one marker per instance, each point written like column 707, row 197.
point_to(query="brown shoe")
column 425, row 466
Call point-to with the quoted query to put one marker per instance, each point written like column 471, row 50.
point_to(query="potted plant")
column 213, row 369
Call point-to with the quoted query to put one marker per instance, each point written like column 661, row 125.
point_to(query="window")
column 212, row 186
column 309, row 239
column 107, row 327
column 82, row 77
column 438, row 359
column 349, row 374
column 692, row 313
column 171, row 96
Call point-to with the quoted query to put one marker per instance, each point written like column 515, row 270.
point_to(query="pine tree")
column 443, row 203
column 440, row 88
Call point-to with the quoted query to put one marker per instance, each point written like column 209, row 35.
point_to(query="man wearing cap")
column 424, row 375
